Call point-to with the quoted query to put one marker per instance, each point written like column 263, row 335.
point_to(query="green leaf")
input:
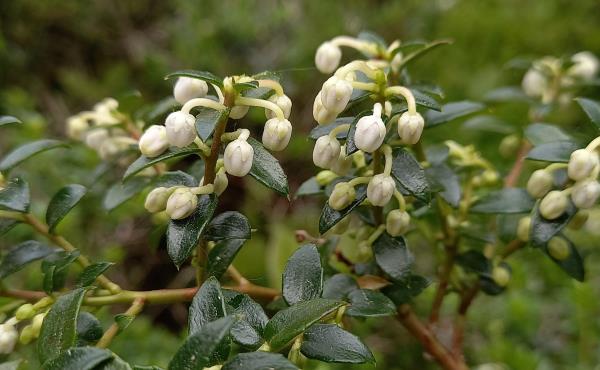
column 228, row 225
column 160, row 109
column 393, row 256
column 303, row 275
column 558, row 151
column 309, row 187
column 138, row 367
column 21, row 255
column 416, row 54
column 330, row 343
column 207, row 306
column 183, row 235
column 243, row 86
column 11, row 365
column 201, row 75
column 488, row 123
column 373, row 38
column 506, row 94
column 543, row 230
column 591, row 108
column 120, row 193
column 541, row 133
column 91, row 272
column 330, row 217
column 350, row 145
column 206, row 121
column 115, row 364
column 259, row 361
column 422, row 99
column 449, row 182
column 266, row 169
column 407, row 171
column 452, row 111
column 405, row 290
column 322, row 130
column 55, row 267
column 287, row 324
column 222, row 255
column 58, row 331
column 199, row 349
column 28, row 150
column 339, row 286
column 6, row 120
column 572, row 265
column 369, row 303
column 6, row 224
column 89, row 330
column 144, row 162
column 123, row 321
column 174, row 178
column 15, row 196
column 509, row 200
column 80, row 358
column 262, row 93
column 62, row 202
column 474, row 261
column 248, row 330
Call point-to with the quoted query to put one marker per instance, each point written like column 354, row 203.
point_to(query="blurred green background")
column 58, row 57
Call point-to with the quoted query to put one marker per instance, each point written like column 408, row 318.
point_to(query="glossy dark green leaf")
column 144, row 162
column 183, row 235
column 591, row 108
column 55, row 267
column 350, row 145
column 474, row 261
column 421, row 98
column 58, row 331
column 158, row 111
column 120, row 193
column 6, row 120
column 452, row 111
column 206, row 121
column 28, row 150
column 407, row 171
column 228, row 225
column 198, row 350
column 123, row 321
column 258, row 93
column 15, row 196
column 248, row 330
column 488, row 123
column 267, row 170
column 222, row 255
column 369, row 303
column 421, row 51
column 259, row 361
column 174, row 178
column 89, row 329
column 558, row 151
column 339, row 286
column 330, row 343
column 287, row 324
column 208, row 305
column 243, row 86
column 309, row 187
column 449, row 182
column 6, row 224
column 62, row 202
column 115, row 364
column 322, row 130
column 405, row 290
column 572, row 265
column 91, row 272
column 201, row 75
column 543, row 230
column 80, row 358
column 487, row 283
column 21, row 255
column 303, row 275
column 509, row 200
column 393, row 256
column 506, row 94
column 373, row 38
column 330, row 217
column 541, row 133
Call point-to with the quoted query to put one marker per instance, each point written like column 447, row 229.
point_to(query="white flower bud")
column 328, row 57
column 154, row 141
column 221, row 182
column 501, row 276
column 581, row 164
column 156, row 200
column 326, row 152
column 238, row 112
column 410, row 127
column 558, row 248
column 380, row 189
column 320, row 113
column 370, row 132
column 585, row 65
column 181, row 130
column 181, row 203
column 579, row 220
column 8, row 338
column 524, row 228
column 187, row 88
column 585, row 193
column 539, row 183
column 343, row 164
column 283, row 102
column 336, row 94
column 343, row 194
column 238, row 156
column 534, row 83
column 553, row 205
column 276, row 134
column 113, row 146
column 397, row 222
column 323, row 178
column 96, row 137
column 76, row 127
column 36, row 324
column 104, row 112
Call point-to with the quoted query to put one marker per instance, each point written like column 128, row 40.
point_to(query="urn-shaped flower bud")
column 380, row 189
column 181, row 130
column 336, row 94
column 187, row 88
column 579, row 219
column 36, row 323
column 553, row 205
column 95, row 138
column 558, row 248
column 524, row 228
column 221, row 182
column 323, row 178
column 181, row 203
column 328, row 57
column 283, row 102
column 156, row 200
column 397, row 222
column 585, row 193
column 25, row 311
column 534, row 83
column 8, row 338
column 539, row 183
column 326, row 151
column 581, row 164
column 76, row 127
column 585, row 66
column 320, row 113
column 342, row 195
column 277, row 134
column 154, row 141
column 370, row 132
column 343, row 164
column 501, row 276
column 104, row 112
column 238, row 156
column 410, row 127
column 238, row 112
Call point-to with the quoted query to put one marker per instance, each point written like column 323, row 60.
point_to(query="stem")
column 406, row 94
column 134, row 310
column 377, row 211
column 367, row 86
column 513, row 176
column 202, row 102
column 336, row 130
column 240, row 100
column 273, row 85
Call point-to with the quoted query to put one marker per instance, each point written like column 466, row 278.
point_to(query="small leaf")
column 488, row 123
column 393, row 256
column 123, row 321
column 369, row 303
column 322, row 130
column 572, row 265
column 174, row 178
column 330, row 217
column 266, row 169
column 120, row 193
column 228, row 225
column 542, row 133
column 160, row 109
column 206, row 121
column 330, row 343
column 407, row 171
column 259, row 361
column 80, row 358
column 426, row 48
column 474, row 261
column 55, row 267
column 448, row 180
column 405, row 290
column 543, row 230
column 115, row 364
column 21, row 255
column 62, row 202
column 15, row 196
column 507, row 94
column 144, row 162
column 373, row 38
column 6, row 224
column 309, row 187
column 558, row 151
column 339, row 286
column 452, row 111
column 183, row 235
column 201, row 75
column 248, row 330
column 591, row 108
column 287, row 324
column 509, row 200
column 89, row 329
column 6, row 120
column 222, row 255
column 350, row 145
column 303, row 275
column 28, row 150
column 208, row 305
column 91, row 272
column 58, row 331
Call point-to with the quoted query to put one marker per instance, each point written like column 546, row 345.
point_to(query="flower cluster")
column 180, row 131
column 34, row 313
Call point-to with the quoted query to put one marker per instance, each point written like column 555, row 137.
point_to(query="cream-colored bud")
column 154, row 141
column 181, row 203
column 558, row 248
column 524, row 228
column 326, row 151
column 410, row 127
column 321, row 114
column 397, row 222
column 238, row 158
column 343, row 194
column 581, row 164
column 328, row 57
column 104, row 112
column 239, row 111
column 585, row 193
column 535, row 83
column 283, row 102
column 501, row 276
column 187, row 88
column 96, row 137
column 509, row 145
column 540, row 183
column 380, row 189
column 343, row 164
column 553, row 205
column 36, row 324
column 585, row 66
column 370, row 131
column 336, row 94
column 325, row 177
column 156, row 200
column 25, row 312
column 8, row 338
column 76, row 127
column 578, row 220
column 277, row 134
column 180, row 128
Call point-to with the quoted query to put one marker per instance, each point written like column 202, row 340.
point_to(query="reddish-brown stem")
column 513, row 176
column 113, row 330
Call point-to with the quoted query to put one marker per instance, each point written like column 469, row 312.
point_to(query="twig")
column 513, row 176
column 113, row 330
